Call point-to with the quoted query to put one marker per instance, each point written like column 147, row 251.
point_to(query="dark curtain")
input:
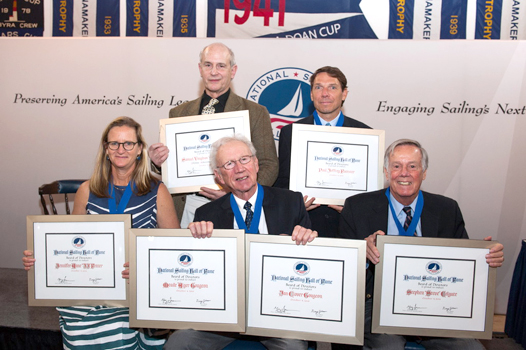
column 516, row 314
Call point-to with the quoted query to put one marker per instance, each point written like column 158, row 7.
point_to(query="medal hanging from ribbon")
column 124, row 199
column 254, row 226
column 416, row 218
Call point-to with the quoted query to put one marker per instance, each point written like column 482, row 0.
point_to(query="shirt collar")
column 241, row 202
column 333, row 122
column 398, row 207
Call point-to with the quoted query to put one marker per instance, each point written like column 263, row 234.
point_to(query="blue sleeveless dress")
column 102, row 327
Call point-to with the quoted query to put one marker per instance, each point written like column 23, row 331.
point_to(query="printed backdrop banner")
column 306, row 19
column 107, row 18
column 464, row 100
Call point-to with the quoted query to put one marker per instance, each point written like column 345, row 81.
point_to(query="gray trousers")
column 189, row 339
column 397, row 342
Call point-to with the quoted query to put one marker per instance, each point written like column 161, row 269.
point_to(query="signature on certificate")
column 203, row 302
column 322, row 183
column 283, row 310
column 95, row 280
column 192, row 171
column 350, row 184
column 450, row 310
column 64, row 280
column 168, row 301
column 414, row 308
column 318, row 313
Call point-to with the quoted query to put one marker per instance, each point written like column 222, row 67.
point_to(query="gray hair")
column 230, row 53
column 406, row 142
column 223, row 141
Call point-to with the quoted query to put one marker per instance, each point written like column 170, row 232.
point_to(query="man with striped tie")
column 403, row 209
column 254, row 208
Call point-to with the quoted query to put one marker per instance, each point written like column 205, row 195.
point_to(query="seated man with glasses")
column 252, row 207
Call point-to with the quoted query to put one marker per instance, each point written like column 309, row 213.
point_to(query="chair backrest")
column 58, row 187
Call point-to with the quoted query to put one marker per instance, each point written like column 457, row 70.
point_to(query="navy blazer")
column 366, row 213
column 283, row 210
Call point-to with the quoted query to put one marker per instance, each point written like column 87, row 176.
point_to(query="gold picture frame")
column 172, row 286
column 433, row 287
column 332, row 164
column 188, row 139
column 79, row 259
column 313, row 292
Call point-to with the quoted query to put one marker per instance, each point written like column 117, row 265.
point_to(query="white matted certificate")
column 79, row 259
column 313, row 292
column 332, row 163
column 189, row 139
column 434, row 287
column 180, row 282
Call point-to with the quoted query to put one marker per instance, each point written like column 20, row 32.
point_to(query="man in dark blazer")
column 217, row 68
column 368, row 215
column 328, row 93
column 276, row 203
column 249, row 206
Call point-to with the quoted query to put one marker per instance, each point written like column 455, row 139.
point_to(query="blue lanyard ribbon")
column 254, row 226
column 416, row 218
column 317, row 119
column 124, row 200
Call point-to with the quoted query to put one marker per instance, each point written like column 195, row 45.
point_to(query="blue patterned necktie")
column 408, row 218
column 250, row 214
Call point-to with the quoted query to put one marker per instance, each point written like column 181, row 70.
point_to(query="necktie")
column 328, row 124
column 250, row 214
column 408, row 219
column 209, row 108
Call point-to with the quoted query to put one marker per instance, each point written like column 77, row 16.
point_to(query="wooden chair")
column 58, row 187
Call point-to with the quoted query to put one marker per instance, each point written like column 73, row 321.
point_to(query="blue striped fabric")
column 143, row 209
column 102, row 327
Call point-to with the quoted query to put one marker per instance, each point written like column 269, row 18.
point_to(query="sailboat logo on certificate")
column 78, row 242
column 286, row 94
column 185, row 259
column 301, row 268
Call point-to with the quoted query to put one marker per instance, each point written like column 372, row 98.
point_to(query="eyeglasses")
column 114, row 145
column 232, row 163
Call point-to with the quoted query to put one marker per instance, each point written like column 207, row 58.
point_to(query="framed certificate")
column 313, row 292
column 332, row 164
column 79, row 259
column 180, row 282
column 189, row 139
column 433, row 287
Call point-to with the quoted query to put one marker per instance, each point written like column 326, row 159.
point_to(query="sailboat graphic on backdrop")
column 295, row 106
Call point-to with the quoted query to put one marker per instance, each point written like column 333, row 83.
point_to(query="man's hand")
column 302, row 235
column 495, row 258
column 158, row 153
column 211, row 194
column 372, row 253
column 28, row 260
column 338, row 208
column 201, row 229
column 308, row 203
column 126, row 272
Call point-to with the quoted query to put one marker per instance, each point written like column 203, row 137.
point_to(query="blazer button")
column 368, row 296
